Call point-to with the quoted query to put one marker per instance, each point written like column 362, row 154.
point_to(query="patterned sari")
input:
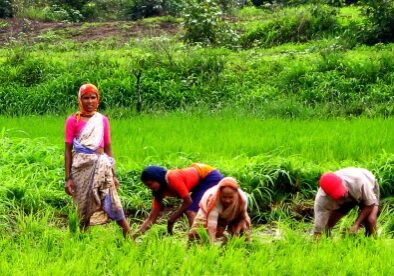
column 95, row 193
column 215, row 218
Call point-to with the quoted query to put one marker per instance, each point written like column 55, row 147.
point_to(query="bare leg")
column 193, row 236
column 190, row 217
column 125, row 226
column 83, row 226
column 370, row 222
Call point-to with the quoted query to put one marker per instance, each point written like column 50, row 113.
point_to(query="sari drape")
column 95, row 193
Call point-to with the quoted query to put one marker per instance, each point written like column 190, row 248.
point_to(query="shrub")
column 173, row 7
column 204, row 23
column 51, row 13
column 229, row 5
column 73, row 4
column 5, row 9
column 102, row 10
column 380, row 14
column 293, row 25
column 137, row 9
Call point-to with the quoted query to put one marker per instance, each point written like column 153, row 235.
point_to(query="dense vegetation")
column 208, row 71
column 38, row 226
column 277, row 162
column 302, row 61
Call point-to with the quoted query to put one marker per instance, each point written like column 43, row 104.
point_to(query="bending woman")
column 89, row 165
column 223, row 206
column 178, row 183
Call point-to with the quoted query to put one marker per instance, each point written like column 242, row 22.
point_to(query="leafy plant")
column 204, row 23
column 6, row 9
column 380, row 14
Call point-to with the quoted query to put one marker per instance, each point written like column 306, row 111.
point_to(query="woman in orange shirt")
column 188, row 184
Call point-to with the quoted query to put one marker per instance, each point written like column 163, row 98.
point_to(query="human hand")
column 69, row 188
column 116, row 182
column 354, row 229
column 170, row 225
column 135, row 234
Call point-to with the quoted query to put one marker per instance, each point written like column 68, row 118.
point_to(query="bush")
column 137, row 9
column 293, row 25
column 73, row 4
column 102, row 10
column 5, row 9
column 173, row 7
column 380, row 14
column 229, row 5
column 204, row 23
column 52, row 13
column 66, row 14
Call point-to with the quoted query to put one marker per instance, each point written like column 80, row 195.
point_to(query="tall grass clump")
column 344, row 83
column 31, row 174
column 293, row 25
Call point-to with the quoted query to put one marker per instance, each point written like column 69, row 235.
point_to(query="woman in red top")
column 195, row 179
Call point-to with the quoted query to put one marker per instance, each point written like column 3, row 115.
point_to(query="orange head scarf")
column 84, row 89
column 235, row 209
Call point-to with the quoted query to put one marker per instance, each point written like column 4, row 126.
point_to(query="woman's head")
column 228, row 187
column 88, row 97
column 154, row 178
column 228, row 196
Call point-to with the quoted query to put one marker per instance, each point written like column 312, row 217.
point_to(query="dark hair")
column 156, row 173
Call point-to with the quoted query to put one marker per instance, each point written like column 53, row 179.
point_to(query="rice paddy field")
column 277, row 162
column 293, row 91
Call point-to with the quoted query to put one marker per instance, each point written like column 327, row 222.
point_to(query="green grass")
column 225, row 137
column 102, row 250
column 278, row 162
column 38, row 223
column 291, row 80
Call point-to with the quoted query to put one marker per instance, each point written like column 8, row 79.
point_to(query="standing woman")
column 189, row 184
column 89, row 165
column 222, row 207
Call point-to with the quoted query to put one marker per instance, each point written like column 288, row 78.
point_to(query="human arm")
column 321, row 217
column 187, row 201
column 363, row 214
column 69, row 186
column 108, row 148
column 153, row 215
column 108, row 151
column 369, row 199
column 178, row 185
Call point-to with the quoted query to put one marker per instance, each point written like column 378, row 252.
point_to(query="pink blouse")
column 73, row 129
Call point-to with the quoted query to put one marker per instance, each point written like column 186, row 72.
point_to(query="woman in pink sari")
column 89, row 165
